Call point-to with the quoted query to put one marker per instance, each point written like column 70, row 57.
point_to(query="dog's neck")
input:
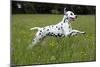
column 65, row 19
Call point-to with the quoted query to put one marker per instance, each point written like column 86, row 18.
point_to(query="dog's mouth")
column 72, row 18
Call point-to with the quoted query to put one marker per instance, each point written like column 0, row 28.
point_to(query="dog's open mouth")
column 72, row 18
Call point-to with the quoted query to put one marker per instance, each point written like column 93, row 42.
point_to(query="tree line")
column 49, row 8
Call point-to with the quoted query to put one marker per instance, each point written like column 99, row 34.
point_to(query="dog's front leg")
column 67, row 33
column 75, row 32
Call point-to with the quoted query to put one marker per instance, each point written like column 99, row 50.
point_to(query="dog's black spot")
column 61, row 23
column 39, row 33
column 52, row 33
column 65, row 19
column 47, row 29
column 52, row 26
column 40, row 30
column 48, row 33
column 55, row 35
column 60, row 35
column 58, row 28
column 61, row 27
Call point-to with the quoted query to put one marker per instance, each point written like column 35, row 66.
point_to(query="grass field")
column 51, row 49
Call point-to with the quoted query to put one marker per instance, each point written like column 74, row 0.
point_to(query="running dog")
column 61, row 29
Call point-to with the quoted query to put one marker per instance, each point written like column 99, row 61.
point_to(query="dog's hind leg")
column 34, row 41
column 38, row 38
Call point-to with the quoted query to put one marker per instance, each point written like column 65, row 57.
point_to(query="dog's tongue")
column 73, row 19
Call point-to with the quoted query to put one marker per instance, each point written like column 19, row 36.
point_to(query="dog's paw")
column 83, row 32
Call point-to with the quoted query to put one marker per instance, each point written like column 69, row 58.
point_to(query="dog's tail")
column 35, row 28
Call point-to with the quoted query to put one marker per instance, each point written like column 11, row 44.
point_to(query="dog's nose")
column 76, row 16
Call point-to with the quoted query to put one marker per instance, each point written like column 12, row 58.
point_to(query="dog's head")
column 69, row 15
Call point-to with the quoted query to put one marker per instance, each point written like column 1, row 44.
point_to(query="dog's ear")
column 65, row 10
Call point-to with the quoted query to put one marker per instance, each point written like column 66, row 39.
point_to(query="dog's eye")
column 71, row 14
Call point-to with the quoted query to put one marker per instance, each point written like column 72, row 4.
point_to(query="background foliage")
column 48, row 8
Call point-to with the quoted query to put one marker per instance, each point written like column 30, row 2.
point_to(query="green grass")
column 51, row 49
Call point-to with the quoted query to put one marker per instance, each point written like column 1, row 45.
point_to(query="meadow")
column 51, row 49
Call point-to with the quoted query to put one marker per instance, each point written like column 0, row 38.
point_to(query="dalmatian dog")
column 61, row 29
